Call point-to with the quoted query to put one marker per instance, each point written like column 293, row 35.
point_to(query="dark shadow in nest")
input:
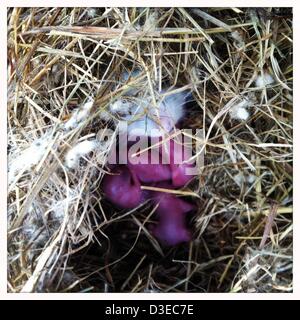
column 121, row 256
column 111, row 260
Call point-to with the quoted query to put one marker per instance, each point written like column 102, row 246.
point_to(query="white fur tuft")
column 78, row 151
column 79, row 116
column 264, row 80
column 239, row 111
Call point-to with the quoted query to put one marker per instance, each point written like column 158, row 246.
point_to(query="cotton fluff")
column 91, row 12
column 144, row 126
column 239, row 111
column 240, row 179
column 120, row 106
column 142, row 116
column 240, row 114
column 264, row 80
column 28, row 157
column 79, row 150
column 59, row 206
column 173, row 106
column 236, row 35
column 32, row 222
column 79, row 115
column 149, row 120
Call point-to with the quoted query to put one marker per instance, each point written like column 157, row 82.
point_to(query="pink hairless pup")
column 171, row 211
column 123, row 188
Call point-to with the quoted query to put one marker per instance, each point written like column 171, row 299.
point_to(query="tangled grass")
column 63, row 236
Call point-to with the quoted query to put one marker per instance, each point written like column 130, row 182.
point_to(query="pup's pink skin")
column 171, row 229
column 148, row 172
column 123, row 188
column 179, row 174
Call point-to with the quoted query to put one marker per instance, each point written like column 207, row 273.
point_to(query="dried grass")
column 63, row 236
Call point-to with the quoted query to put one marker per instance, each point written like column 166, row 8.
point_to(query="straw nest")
column 66, row 67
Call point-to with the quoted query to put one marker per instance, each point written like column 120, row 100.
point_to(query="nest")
column 66, row 67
